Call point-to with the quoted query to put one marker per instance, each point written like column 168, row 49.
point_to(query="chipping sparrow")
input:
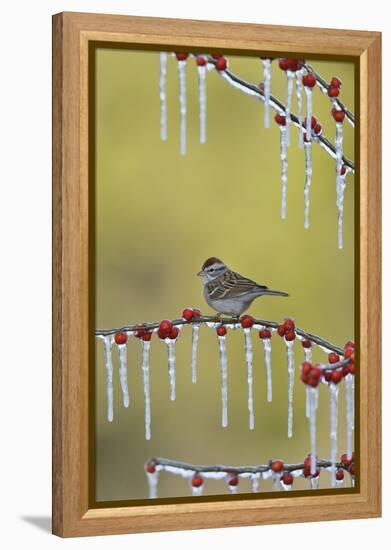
column 229, row 292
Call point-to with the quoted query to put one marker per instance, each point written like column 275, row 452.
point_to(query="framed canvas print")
column 216, row 230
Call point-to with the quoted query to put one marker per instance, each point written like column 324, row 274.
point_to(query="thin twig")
column 223, row 321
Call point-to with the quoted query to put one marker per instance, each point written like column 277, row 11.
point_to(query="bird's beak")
column 200, row 273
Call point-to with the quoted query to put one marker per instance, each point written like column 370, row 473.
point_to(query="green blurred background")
column 160, row 215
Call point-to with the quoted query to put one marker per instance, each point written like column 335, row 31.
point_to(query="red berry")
column 217, row 55
column 196, row 313
column 333, row 91
column 350, row 369
column 290, row 335
column 247, row 321
column 314, row 121
column 307, row 472
column 221, row 64
column 349, row 343
column 173, row 333
column 197, row 480
column 349, row 353
column 163, row 334
column 316, row 372
column 313, row 381
column 221, row 331
column 343, row 170
column 283, row 63
column 293, row 64
column 139, row 331
column 187, row 314
column 317, row 129
column 280, row 119
column 335, row 81
column 233, row 480
column 147, row 336
column 336, row 376
column 339, row 475
column 327, row 375
column 201, row 61
column 120, row 338
column 265, row 333
column 338, row 116
column 165, row 326
column 150, row 468
column 346, row 461
column 309, row 80
column 352, row 469
column 306, row 367
column 289, row 324
column 287, row 478
column 306, row 343
column 181, row 56
column 281, row 330
column 304, row 378
column 333, row 358
column 277, row 466
column 261, row 86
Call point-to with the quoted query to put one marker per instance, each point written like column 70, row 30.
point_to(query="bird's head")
column 211, row 269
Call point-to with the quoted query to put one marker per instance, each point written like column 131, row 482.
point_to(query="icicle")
column 284, row 168
column 349, row 398
column 307, row 184
column 276, row 481
column 314, row 481
column 123, row 376
column 224, row 386
column 308, row 354
column 197, row 491
column 338, row 154
column 182, row 102
column 291, row 379
column 267, row 82
column 202, row 100
column 267, row 348
column 153, row 483
column 290, row 75
column 255, row 478
column 145, row 349
column 195, row 329
column 248, row 347
column 171, row 366
column 313, row 397
column 308, row 93
column 163, row 96
column 307, row 400
column 340, row 207
column 333, row 391
column 233, row 489
column 108, row 343
column 339, row 483
column 299, row 93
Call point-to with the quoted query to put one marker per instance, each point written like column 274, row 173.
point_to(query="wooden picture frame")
column 73, row 514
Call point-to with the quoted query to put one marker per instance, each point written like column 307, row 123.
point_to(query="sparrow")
column 229, row 292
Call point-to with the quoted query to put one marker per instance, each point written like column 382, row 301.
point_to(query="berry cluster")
column 293, row 65
column 316, row 129
column 313, row 374
column 143, row 334
column 334, row 88
column 167, row 330
column 287, row 330
column 189, row 314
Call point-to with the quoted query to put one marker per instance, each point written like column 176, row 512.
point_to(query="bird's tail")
column 269, row 292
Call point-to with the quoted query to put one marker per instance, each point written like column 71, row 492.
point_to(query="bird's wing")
column 232, row 285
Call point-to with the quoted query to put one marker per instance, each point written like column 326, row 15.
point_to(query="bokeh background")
column 160, row 215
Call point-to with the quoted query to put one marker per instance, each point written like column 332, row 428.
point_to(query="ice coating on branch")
column 308, row 93
column 276, row 477
column 333, row 394
column 171, row 365
column 123, row 375
column 338, row 155
column 239, row 86
column 248, row 348
column 145, row 349
column 195, row 330
column 291, row 378
column 153, row 483
column 182, row 103
column 313, row 400
column 202, row 100
column 163, row 95
column 284, row 169
column 224, row 384
column 299, row 97
column 267, row 83
column 267, row 348
column 307, row 183
column 108, row 344
column 290, row 77
column 349, row 397
column 255, row 482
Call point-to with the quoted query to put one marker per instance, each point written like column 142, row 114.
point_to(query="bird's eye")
column 212, row 269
